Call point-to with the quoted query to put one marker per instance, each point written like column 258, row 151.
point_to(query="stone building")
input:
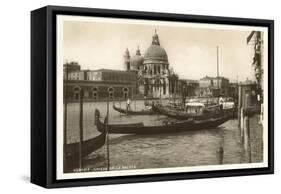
column 233, row 90
column 255, row 39
column 213, row 86
column 99, row 90
column 190, row 87
column 78, row 75
column 100, row 84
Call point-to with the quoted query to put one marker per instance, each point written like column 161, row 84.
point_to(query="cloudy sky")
column 191, row 50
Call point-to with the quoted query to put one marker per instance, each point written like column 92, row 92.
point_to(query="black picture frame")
column 43, row 95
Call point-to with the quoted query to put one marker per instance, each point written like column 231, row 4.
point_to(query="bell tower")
column 127, row 60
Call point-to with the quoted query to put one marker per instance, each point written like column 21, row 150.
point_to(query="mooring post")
column 247, row 100
column 120, row 106
column 261, row 114
column 81, row 129
column 247, row 139
column 239, row 105
column 65, row 115
column 242, row 123
column 219, row 154
column 107, row 135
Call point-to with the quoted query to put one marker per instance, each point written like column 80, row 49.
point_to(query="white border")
column 59, row 141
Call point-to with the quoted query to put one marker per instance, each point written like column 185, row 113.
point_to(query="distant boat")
column 166, row 127
column 175, row 103
column 131, row 112
column 203, row 113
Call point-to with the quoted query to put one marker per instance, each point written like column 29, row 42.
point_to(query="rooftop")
column 110, row 70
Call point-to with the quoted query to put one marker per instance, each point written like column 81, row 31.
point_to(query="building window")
column 110, row 89
column 125, row 93
column 76, row 90
column 164, row 88
column 94, row 92
column 95, row 95
column 111, row 92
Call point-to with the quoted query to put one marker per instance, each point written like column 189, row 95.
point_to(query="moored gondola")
column 89, row 146
column 166, row 127
column 131, row 112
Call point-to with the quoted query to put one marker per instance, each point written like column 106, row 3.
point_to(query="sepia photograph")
column 139, row 97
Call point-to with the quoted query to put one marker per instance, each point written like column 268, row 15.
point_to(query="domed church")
column 152, row 69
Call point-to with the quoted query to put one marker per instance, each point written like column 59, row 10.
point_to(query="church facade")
column 154, row 76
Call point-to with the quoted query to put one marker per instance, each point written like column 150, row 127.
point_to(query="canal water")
column 191, row 148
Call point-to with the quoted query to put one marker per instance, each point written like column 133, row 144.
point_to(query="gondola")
column 130, row 112
column 167, row 127
column 181, row 115
column 89, row 146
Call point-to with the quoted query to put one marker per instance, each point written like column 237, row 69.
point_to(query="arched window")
column 125, row 92
column 111, row 92
column 164, row 87
column 111, row 89
column 76, row 91
column 95, row 91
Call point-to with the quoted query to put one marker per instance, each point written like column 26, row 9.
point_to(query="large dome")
column 155, row 53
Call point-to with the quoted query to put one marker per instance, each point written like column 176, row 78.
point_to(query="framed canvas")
column 126, row 96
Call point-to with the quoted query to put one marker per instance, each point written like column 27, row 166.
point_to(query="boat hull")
column 130, row 112
column 168, row 127
column 180, row 115
column 88, row 146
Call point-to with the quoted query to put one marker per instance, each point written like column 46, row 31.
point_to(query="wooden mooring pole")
column 81, row 128
column 219, row 154
column 107, row 135
column 244, row 102
column 242, row 123
column 239, row 105
column 65, row 116
column 120, row 106
column 247, row 139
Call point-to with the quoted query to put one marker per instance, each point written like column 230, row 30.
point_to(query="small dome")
column 136, row 60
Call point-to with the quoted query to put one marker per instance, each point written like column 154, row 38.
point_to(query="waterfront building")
column 255, row 39
column 78, row 75
column 233, row 90
column 213, row 86
column 112, row 75
column 190, row 87
column 71, row 66
column 249, row 93
column 101, row 84
column 99, row 90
